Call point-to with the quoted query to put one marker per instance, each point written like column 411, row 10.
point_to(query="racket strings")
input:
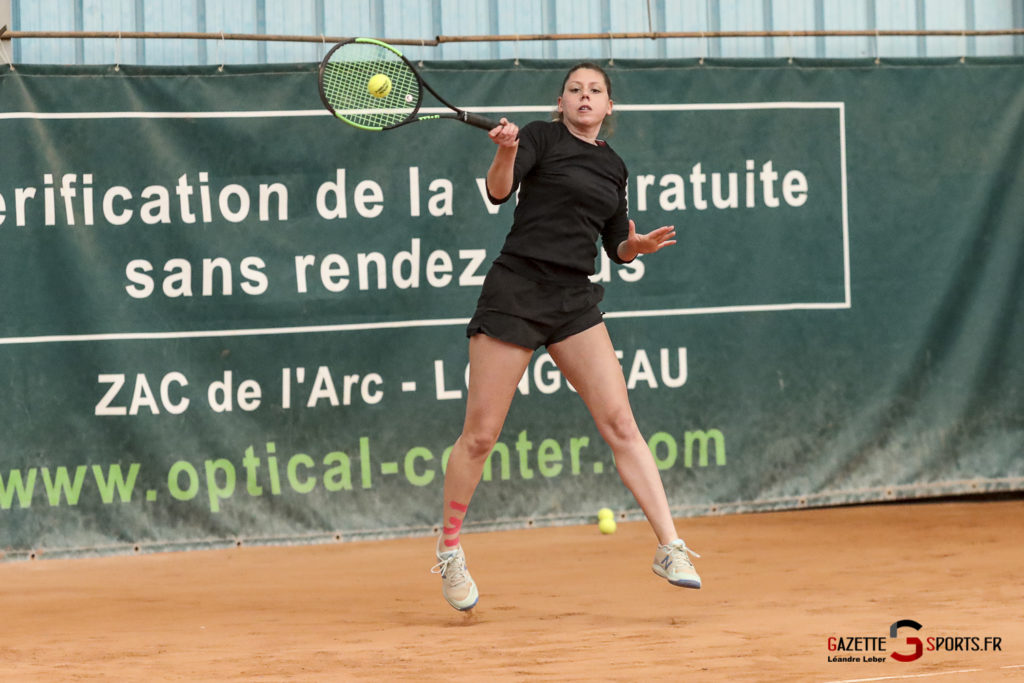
column 346, row 79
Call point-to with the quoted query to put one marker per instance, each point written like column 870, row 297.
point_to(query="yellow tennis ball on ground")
column 379, row 85
column 605, row 513
column 607, row 526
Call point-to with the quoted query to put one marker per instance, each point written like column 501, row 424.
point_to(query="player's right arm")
column 501, row 174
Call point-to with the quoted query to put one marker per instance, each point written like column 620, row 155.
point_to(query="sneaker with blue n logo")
column 672, row 562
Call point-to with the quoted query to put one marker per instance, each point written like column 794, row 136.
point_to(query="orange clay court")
column 562, row 603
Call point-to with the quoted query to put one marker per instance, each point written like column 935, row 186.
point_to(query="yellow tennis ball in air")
column 605, row 513
column 607, row 526
column 379, row 85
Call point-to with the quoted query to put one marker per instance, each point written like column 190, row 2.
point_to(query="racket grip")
column 478, row 121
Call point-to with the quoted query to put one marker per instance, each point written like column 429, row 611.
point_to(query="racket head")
column 344, row 78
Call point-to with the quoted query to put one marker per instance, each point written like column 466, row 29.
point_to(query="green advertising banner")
column 226, row 317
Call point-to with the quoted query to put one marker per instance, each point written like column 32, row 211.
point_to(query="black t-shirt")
column 571, row 192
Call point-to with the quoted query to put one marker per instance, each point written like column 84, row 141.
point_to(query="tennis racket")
column 370, row 85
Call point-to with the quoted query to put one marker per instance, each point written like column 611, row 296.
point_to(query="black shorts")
column 518, row 310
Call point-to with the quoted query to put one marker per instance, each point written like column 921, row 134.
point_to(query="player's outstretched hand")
column 652, row 241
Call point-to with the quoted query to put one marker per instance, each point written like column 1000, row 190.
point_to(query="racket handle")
column 478, row 121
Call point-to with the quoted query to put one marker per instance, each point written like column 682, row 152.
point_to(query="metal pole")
column 1018, row 20
column 6, row 19
column 3, row 45
column 440, row 40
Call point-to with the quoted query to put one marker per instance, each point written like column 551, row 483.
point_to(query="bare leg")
column 588, row 361
column 495, row 368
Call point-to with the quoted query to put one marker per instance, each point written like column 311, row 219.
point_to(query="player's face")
column 584, row 101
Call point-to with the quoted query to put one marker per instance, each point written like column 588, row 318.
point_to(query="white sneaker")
column 457, row 585
column 672, row 562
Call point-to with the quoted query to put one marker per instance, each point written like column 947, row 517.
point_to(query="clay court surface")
column 556, row 604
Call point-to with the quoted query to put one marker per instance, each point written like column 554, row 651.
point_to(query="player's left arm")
column 622, row 243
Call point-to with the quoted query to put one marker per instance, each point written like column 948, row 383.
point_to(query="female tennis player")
column 572, row 190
